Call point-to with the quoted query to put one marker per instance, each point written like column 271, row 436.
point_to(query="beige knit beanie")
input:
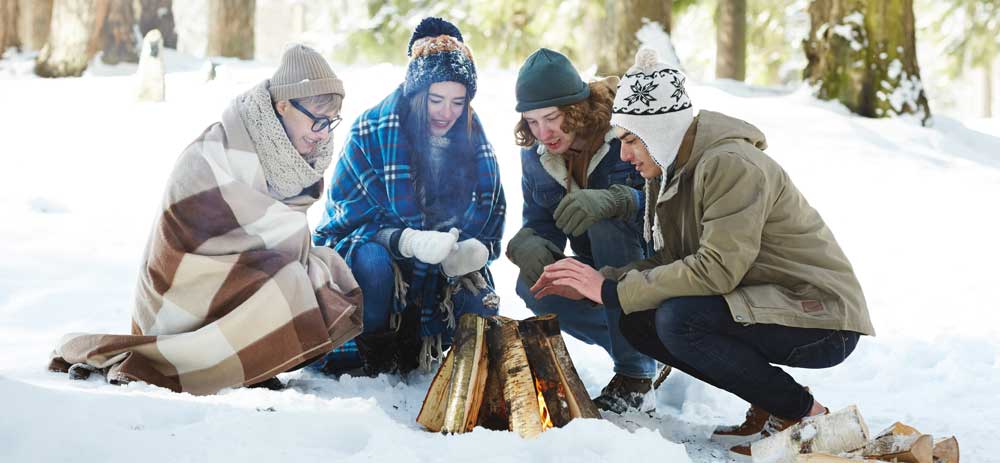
column 303, row 73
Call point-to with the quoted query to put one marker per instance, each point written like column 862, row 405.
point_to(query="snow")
column 913, row 208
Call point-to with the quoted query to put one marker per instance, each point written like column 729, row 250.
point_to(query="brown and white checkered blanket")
column 232, row 291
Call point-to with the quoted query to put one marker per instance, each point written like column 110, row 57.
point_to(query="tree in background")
column 231, row 28
column 116, row 25
column 970, row 30
column 623, row 20
column 34, row 20
column 8, row 25
column 731, row 40
column 863, row 54
column 158, row 14
column 68, row 48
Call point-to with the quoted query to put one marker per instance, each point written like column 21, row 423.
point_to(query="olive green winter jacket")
column 734, row 224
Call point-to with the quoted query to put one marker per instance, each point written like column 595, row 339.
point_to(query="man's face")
column 546, row 126
column 634, row 152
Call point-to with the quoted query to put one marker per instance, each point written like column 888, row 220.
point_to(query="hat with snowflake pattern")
column 652, row 104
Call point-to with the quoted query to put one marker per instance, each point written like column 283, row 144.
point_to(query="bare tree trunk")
column 863, row 54
column 69, row 47
column 624, row 19
column 988, row 89
column 158, row 14
column 231, row 28
column 34, row 19
column 731, row 40
column 118, row 40
column 8, row 25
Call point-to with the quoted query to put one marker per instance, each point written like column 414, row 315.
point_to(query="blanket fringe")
column 430, row 352
column 400, row 288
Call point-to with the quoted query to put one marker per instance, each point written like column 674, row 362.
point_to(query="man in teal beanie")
column 577, row 189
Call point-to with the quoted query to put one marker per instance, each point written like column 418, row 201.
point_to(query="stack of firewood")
column 504, row 374
column 843, row 437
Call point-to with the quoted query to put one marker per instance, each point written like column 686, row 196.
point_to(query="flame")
column 543, row 410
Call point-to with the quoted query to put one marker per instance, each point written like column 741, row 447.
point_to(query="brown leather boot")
column 773, row 426
column 744, row 432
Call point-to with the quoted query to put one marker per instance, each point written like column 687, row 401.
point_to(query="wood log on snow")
column 432, row 411
column 836, row 433
column 579, row 402
column 827, row 458
column 946, row 450
column 468, row 375
column 901, row 443
column 510, row 362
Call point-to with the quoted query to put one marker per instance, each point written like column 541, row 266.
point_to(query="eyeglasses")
column 319, row 123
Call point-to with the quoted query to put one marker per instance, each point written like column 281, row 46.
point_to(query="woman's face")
column 445, row 103
column 298, row 125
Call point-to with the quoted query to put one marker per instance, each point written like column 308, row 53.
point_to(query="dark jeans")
column 698, row 336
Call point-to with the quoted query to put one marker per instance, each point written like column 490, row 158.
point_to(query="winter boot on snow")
column 747, row 431
column 378, row 352
column 627, row 394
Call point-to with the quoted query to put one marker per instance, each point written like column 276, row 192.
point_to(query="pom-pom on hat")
column 651, row 103
column 438, row 54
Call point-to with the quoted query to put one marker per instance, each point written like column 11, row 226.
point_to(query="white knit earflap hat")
column 652, row 104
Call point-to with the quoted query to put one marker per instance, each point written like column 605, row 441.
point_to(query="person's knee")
column 606, row 230
column 371, row 262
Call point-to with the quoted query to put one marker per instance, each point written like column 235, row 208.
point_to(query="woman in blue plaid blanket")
column 417, row 209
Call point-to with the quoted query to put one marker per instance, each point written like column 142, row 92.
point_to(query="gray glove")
column 581, row 209
column 470, row 256
column 430, row 247
column 531, row 253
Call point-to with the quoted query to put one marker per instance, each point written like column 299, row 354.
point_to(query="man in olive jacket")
column 745, row 275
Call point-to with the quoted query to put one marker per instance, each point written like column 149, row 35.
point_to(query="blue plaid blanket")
column 372, row 189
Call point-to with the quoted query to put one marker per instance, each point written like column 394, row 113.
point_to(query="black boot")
column 627, row 394
column 378, row 352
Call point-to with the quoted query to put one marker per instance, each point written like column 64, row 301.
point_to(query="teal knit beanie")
column 547, row 78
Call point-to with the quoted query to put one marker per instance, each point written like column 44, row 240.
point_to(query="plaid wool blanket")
column 231, row 292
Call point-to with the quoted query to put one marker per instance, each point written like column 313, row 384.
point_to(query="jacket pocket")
column 548, row 196
column 776, row 303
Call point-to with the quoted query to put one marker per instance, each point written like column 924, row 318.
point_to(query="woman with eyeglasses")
column 231, row 291
column 417, row 209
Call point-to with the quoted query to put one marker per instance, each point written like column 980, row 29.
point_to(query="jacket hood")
column 715, row 128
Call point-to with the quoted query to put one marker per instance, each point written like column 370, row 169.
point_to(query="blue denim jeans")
column 698, row 336
column 372, row 268
column 611, row 243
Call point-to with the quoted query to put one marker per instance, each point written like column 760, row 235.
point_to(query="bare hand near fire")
column 571, row 279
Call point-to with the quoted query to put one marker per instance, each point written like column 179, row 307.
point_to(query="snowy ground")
column 84, row 167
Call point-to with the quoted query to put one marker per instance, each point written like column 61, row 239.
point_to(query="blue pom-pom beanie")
column 438, row 54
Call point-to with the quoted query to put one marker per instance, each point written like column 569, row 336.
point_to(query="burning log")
column 531, row 384
column 519, row 395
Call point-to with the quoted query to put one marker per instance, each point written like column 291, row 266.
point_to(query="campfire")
column 505, row 374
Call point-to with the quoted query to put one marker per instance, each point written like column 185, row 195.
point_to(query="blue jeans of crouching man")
column 698, row 336
column 611, row 243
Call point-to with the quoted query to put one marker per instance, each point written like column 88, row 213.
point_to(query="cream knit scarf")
column 286, row 171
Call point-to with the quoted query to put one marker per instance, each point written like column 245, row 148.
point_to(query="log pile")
column 505, row 374
column 843, row 437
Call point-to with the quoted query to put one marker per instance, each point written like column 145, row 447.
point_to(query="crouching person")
column 231, row 291
column 417, row 209
column 745, row 273
column 577, row 189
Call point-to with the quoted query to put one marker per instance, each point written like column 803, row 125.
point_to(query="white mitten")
column 470, row 256
column 430, row 247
